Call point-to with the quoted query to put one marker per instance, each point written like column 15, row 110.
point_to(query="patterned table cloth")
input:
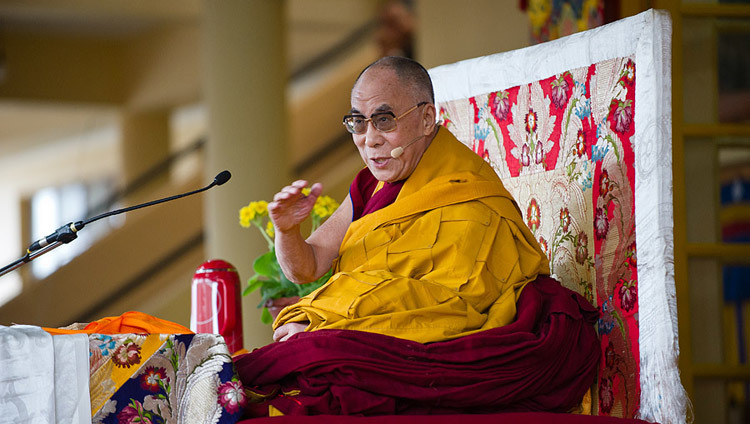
column 122, row 378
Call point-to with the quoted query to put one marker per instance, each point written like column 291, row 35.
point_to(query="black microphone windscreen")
column 223, row 177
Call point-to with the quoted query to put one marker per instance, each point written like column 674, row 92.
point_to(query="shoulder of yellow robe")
column 448, row 173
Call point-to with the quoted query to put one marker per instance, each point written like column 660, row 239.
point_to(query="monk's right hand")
column 290, row 206
column 284, row 332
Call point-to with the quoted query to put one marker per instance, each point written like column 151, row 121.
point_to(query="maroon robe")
column 545, row 360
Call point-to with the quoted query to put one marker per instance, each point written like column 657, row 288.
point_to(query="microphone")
column 67, row 233
column 222, row 177
column 398, row 151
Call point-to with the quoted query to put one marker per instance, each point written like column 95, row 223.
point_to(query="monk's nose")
column 373, row 137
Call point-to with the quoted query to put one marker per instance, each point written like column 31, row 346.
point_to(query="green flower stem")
column 259, row 224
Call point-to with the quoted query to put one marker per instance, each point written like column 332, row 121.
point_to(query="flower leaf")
column 265, row 316
column 252, row 284
column 264, row 264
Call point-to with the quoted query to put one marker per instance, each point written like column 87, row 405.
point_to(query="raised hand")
column 290, row 206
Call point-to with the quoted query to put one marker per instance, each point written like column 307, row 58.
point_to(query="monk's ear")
column 429, row 115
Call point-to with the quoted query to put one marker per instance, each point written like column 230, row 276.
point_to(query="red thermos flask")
column 216, row 304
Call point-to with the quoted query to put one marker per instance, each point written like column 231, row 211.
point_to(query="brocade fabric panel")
column 562, row 147
column 579, row 129
column 160, row 378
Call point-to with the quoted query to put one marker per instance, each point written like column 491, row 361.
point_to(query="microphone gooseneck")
column 67, row 233
column 398, row 151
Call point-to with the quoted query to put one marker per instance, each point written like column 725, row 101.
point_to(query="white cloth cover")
column 43, row 379
column 648, row 37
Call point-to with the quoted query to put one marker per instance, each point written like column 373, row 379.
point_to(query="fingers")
column 316, row 189
column 279, row 333
column 287, row 330
column 290, row 206
column 294, row 191
column 291, row 194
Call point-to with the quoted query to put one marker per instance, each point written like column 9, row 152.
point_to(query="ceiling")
column 313, row 27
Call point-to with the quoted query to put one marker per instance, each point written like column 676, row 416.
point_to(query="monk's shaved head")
column 411, row 74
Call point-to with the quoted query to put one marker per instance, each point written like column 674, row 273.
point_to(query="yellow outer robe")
column 448, row 258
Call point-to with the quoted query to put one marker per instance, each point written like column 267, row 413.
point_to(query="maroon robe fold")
column 544, row 361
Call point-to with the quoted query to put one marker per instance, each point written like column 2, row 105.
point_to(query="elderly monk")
column 428, row 246
column 435, row 271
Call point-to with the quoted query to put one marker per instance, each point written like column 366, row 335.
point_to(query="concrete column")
column 145, row 142
column 244, row 88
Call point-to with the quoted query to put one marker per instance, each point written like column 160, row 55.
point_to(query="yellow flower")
column 269, row 229
column 306, row 191
column 260, row 207
column 246, row 216
column 253, row 211
column 324, row 206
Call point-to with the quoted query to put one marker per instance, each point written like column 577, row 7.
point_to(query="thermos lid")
column 215, row 265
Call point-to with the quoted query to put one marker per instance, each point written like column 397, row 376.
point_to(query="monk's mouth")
column 380, row 162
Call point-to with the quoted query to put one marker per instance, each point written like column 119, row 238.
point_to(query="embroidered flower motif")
column 628, row 73
column 582, row 249
column 134, row 413
column 600, row 149
column 499, row 104
column 601, row 223
column 477, row 111
column 232, row 396
column 559, row 92
column 583, row 103
column 606, row 321
column 584, row 178
column 604, row 183
column 628, row 295
column 539, row 153
column 480, row 135
column 630, row 257
column 565, row 219
column 622, row 115
column 580, row 146
column 606, row 395
column 110, row 407
column 444, row 117
column 151, row 378
column 107, row 343
column 533, row 215
column 609, row 355
column 525, row 155
column 543, row 245
column 127, row 354
column 531, row 121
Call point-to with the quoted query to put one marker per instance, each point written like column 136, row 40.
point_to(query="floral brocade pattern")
column 563, row 148
column 160, row 378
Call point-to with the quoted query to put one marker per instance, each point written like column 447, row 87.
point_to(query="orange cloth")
column 129, row 322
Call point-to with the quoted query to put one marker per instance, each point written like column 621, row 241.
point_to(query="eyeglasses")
column 382, row 121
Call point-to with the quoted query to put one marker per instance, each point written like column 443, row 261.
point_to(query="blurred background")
column 109, row 103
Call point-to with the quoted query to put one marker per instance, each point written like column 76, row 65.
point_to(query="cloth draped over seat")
column 579, row 130
column 533, row 364
column 129, row 368
column 43, row 378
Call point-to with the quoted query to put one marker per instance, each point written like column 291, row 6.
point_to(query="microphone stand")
column 67, row 233
column 28, row 257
